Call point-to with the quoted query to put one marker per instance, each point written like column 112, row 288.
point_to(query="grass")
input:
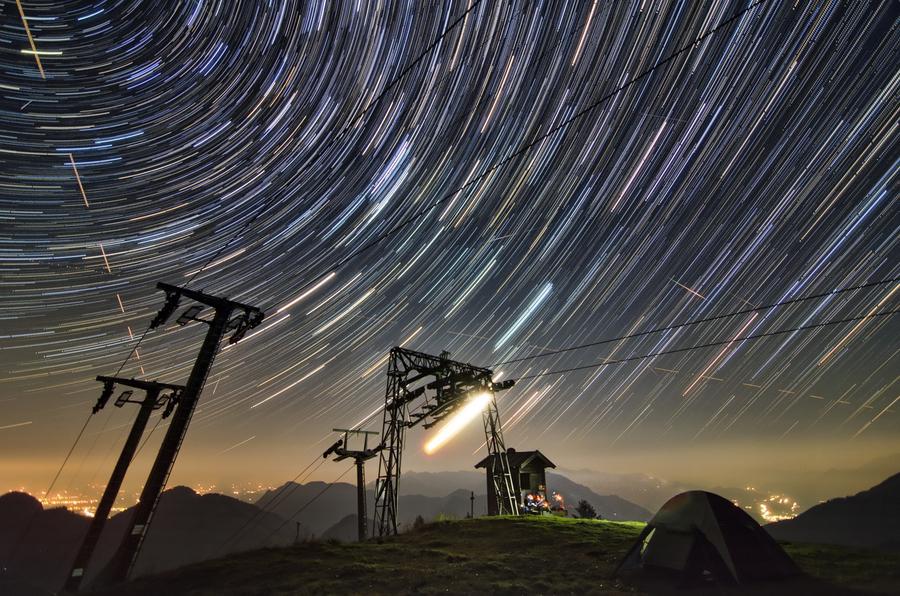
column 488, row 555
column 859, row 568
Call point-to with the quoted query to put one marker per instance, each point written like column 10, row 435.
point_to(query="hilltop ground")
column 487, row 555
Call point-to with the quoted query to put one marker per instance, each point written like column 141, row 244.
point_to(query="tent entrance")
column 686, row 555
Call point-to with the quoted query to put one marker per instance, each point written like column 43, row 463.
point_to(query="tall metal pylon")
column 223, row 321
column 152, row 401
column 498, row 466
column 404, row 407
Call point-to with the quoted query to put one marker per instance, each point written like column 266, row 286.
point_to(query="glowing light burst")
column 469, row 412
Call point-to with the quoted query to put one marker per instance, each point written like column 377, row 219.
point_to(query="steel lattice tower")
column 451, row 384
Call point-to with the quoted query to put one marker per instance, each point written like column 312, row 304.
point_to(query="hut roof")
column 520, row 459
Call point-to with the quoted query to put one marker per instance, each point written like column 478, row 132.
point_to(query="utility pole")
column 472, row 505
column 222, row 322
column 152, row 401
column 342, row 449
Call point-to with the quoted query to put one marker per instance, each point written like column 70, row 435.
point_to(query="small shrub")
column 418, row 523
column 585, row 510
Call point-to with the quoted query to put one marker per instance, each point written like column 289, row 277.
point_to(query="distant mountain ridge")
column 37, row 545
column 645, row 490
column 189, row 527
column 869, row 519
column 609, row 506
column 300, row 502
column 429, row 494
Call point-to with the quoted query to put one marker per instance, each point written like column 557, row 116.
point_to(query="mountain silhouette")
column 37, row 545
column 609, row 507
column 34, row 542
column 345, row 530
column 869, row 519
column 441, row 483
column 445, row 494
column 316, row 505
column 300, row 502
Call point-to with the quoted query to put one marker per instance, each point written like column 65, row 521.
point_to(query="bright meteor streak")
column 469, row 412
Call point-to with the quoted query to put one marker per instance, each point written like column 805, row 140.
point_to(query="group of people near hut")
column 536, row 503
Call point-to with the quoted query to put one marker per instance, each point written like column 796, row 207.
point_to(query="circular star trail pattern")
column 760, row 165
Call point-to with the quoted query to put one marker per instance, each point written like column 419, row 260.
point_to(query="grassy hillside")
column 496, row 555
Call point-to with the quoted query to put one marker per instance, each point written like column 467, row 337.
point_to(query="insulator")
column 172, row 299
column 333, row 448
column 234, row 323
column 239, row 334
column 108, row 387
column 254, row 318
column 170, row 405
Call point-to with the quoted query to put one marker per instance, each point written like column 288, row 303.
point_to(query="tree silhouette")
column 585, row 510
column 418, row 523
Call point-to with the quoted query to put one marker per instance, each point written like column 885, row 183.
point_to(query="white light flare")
column 469, row 412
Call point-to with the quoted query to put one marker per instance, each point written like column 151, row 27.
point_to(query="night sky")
column 276, row 139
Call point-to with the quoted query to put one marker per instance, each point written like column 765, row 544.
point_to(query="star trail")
column 501, row 180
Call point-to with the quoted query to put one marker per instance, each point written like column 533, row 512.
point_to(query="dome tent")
column 700, row 535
